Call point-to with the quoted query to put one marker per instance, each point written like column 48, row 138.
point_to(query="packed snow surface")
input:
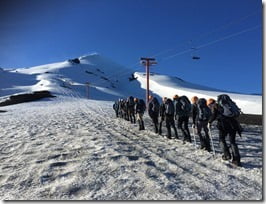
column 74, row 148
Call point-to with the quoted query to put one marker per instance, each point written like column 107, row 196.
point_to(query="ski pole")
column 193, row 131
column 209, row 128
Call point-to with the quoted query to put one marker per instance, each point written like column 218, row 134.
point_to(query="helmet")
column 175, row 96
column 194, row 99
column 136, row 99
column 210, row 101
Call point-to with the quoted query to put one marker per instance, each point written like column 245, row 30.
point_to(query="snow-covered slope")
column 73, row 148
column 169, row 86
column 108, row 81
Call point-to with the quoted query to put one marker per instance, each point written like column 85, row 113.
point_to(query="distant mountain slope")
column 169, row 86
column 107, row 81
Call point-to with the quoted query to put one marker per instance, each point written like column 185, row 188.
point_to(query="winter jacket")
column 154, row 107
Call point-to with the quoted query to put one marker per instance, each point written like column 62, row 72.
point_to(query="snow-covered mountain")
column 108, row 81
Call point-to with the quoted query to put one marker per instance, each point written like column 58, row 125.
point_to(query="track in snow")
column 76, row 149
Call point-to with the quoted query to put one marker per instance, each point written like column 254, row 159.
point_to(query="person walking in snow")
column 162, row 114
column 194, row 101
column 201, row 115
column 116, row 108
column 130, row 109
column 226, row 112
column 182, row 113
column 169, row 118
column 140, row 108
column 153, row 111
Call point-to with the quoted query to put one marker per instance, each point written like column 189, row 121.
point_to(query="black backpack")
column 204, row 112
column 229, row 107
column 156, row 105
column 115, row 106
column 130, row 101
column 142, row 105
column 169, row 107
column 183, row 106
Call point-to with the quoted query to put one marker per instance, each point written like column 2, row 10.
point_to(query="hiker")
column 153, row 111
column 130, row 109
column 194, row 101
column 169, row 117
column 175, row 99
column 116, row 108
column 182, row 113
column 227, row 124
column 121, row 108
column 201, row 116
column 140, row 108
column 162, row 114
column 124, row 110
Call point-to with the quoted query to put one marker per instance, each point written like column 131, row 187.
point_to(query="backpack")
column 184, row 106
column 115, row 106
column 229, row 107
column 204, row 112
column 156, row 105
column 169, row 107
column 142, row 105
column 130, row 101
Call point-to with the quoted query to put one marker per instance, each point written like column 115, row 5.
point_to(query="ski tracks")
column 77, row 149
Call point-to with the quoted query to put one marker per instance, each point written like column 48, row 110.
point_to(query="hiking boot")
column 227, row 157
column 237, row 163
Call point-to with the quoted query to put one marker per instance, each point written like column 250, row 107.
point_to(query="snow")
column 169, row 86
column 109, row 81
column 70, row 147
column 74, row 148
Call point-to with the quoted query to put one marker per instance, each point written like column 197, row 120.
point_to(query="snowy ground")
column 72, row 148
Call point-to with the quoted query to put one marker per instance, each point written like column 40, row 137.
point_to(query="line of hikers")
column 203, row 112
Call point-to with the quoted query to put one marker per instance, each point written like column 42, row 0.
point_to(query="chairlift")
column 195, row 57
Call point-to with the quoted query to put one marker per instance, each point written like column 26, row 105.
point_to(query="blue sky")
column 227, row 35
